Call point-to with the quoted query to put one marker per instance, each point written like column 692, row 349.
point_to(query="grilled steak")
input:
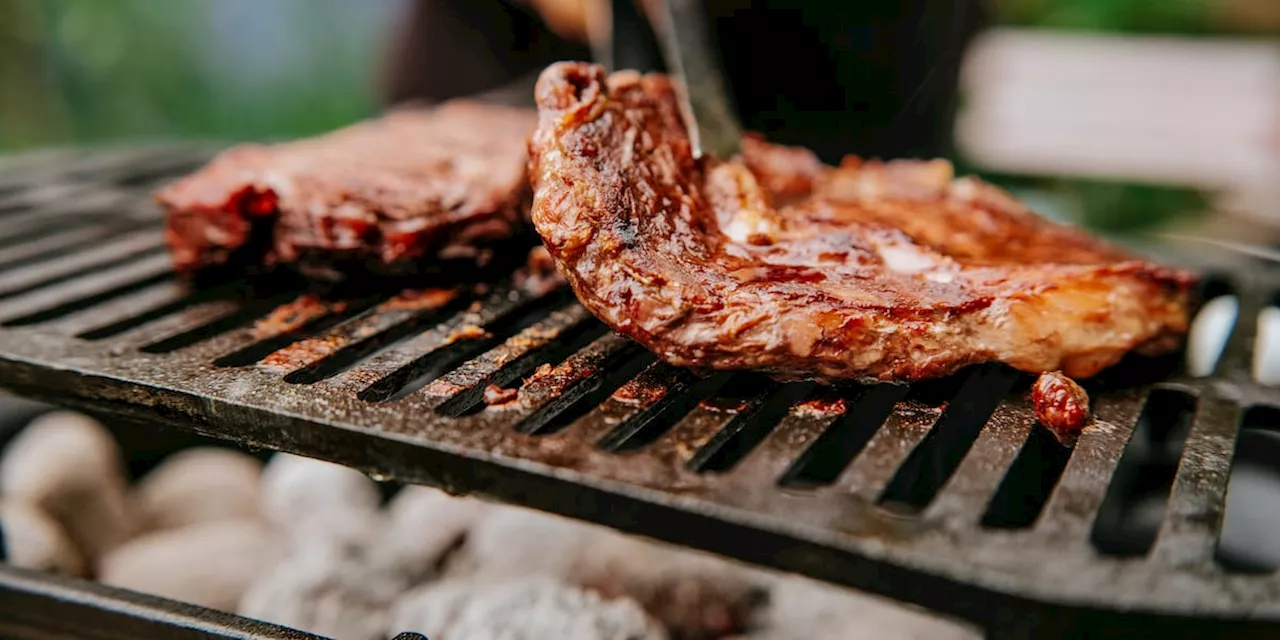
column 383, row 196
column 777, row 263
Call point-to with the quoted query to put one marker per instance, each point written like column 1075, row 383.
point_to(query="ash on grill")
column 309, row 544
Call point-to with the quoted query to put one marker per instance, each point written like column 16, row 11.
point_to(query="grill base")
column 794, row 477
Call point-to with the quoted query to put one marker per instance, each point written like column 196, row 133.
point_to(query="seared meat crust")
column 777, row 263
column 380, row 196
column 1061, row 405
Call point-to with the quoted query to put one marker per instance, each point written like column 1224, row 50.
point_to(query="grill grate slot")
column 284, row 319
column 424, row 358
column 824, row 460
column 48, row 273
column 1248, row 543
column 159, row 302
column 98, row 207
column 580, row 383
column 766, row 465
column 690, row 434
column 553, row 340
column 330, row 350
column 1197, row 499
column 933, row 461
column 680, row 392
column 1211, row 327
column 82, row 291
column 53, row 199
column 89, row 302
column 162, row 289
column 1031, row 478
column 1073, row 505
column 442, row 358
column 295, row 333
column 872, row 469
column 207, row 321
column 1136, row 498
column 748, row 428
column 191, row 315
column 39, row 249
column 963, row 498
column 1236, row 360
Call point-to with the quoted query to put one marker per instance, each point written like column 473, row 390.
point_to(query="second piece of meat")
column 380, row 196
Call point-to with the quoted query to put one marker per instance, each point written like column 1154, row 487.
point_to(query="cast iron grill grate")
column 946, row 495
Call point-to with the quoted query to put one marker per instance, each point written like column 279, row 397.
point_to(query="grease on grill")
column 821, row 406
column 724, row 404
column 292, row 316
column 551, row 381
column 495, row 396
column 419, row 300
column 302, row 353
column 467, row 332
column 312, row 349
column 639, row 392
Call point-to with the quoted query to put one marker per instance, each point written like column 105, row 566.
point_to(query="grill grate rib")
column 641, row 423
column 998, row 516
column 208, row 324
column 39, row 276
column 737, row 438
column 581, row 382
column 547, row 341
column 936, row 457
column 1188, row 534
column 423, row 358
column 84, row 291
column 965, row 495
column 846, row 437
column 1028, row 483
column 1071, row 510
column 121, row 314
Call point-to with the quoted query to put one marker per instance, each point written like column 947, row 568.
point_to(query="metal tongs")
column 622, row 38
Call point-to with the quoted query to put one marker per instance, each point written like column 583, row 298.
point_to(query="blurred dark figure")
column 873, row 77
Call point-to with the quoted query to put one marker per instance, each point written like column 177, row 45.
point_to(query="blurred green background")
column 93, row 71
column 84, row 71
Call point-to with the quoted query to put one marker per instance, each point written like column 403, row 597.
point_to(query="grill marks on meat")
column 379, row 196
column 774, row 262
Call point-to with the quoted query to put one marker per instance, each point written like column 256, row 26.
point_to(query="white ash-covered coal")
column 313, row 546
column 520, row 609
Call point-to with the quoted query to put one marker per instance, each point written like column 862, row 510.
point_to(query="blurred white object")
column 69, row 466
column 32, row 540
column 1208, row 334
column 692, row 594
column 420, row 526
column 520, row 609
column 317, row 498
column 1193, row 111
column 324, row 587
column 209, row 564
column 342, row 586
column 1266, row 347
column 800, row 609
column 199, row 485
